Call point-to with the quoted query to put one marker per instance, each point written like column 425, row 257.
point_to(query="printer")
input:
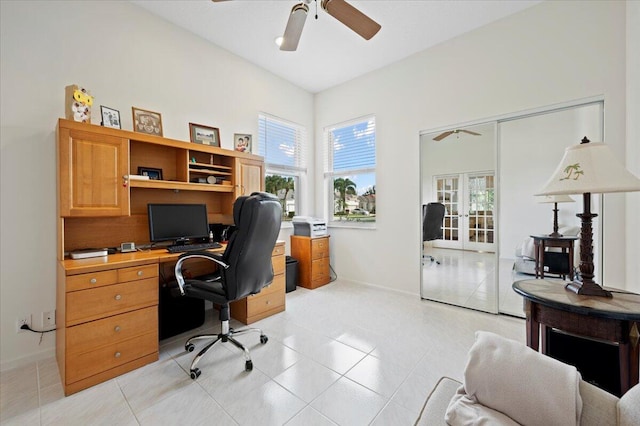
column 307, row 226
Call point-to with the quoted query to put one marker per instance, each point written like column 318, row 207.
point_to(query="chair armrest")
column 435, row 407
column 215, row 257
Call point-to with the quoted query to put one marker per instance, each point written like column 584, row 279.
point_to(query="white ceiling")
column 329, row 53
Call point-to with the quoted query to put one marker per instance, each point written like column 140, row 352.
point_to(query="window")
column 350, row 171
column 282, row 144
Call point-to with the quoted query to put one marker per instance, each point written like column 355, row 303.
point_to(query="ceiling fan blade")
column 471, row 133
column 444, row 135
column 352, row 18
column 295, row 24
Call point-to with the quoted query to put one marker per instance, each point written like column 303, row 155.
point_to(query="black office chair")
column 244, row 268
column 432, row 216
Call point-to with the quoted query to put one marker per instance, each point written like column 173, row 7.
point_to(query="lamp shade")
column 590, row 167
column 562, row 198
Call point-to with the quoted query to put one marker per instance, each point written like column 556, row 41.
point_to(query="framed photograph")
column 154, row 174
column 147, row 121
column 110, row 117
column 204, row 134
column 242, row 142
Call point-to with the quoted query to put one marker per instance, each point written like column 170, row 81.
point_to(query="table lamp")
column 555, row 199
column 589, row 168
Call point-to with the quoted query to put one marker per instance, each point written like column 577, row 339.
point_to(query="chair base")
column 427, row 256
column 225, row 336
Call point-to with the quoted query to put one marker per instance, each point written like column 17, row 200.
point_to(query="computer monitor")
column 177, row 222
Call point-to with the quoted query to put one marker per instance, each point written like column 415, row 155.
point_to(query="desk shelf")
column 183, row 186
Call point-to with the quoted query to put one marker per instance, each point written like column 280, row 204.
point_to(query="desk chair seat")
column 244, row 268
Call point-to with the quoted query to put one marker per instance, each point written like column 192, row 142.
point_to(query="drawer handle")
column 117, row 354
column 117, row 329
column 93, row 280
column 118, row 297
column 140, row 273
column 268, row 302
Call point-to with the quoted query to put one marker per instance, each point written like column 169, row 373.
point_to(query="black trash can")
column 292, row 274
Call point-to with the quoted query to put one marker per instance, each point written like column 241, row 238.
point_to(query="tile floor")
column 468, row 278
column 343, row 354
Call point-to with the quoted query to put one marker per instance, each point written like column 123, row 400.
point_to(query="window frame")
column 330, row 174
column 298, row 172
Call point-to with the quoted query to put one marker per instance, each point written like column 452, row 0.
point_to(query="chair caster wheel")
column 263, row 339
column 195, row 373
column 189, row 347
column 248, row 365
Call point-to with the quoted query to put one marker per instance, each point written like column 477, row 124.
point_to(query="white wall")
column 551, row 53
column 126, row 57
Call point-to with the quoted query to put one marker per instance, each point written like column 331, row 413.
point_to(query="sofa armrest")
column 599, row 408
column 435, row 407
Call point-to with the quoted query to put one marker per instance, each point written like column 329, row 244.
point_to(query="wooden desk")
column 107, row 311
column 542, row 242
column 616, row 320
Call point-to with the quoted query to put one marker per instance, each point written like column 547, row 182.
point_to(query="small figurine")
column 78, row 103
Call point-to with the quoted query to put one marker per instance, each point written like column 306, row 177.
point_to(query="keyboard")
column 193, row 247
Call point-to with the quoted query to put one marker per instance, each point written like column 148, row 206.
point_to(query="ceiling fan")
column 451, row 132
column 339, row 9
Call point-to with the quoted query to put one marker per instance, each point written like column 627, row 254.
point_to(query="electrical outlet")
column 48, row 319
column 21, row 320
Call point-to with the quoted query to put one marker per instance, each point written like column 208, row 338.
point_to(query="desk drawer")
column 87, row 305
column 319, row 248
column 263, row 302
column 279, row 265
column 137, row 273
column 80, row 366
column 320, row 269
column 278, row 250
column 277, row 285
column 87, row 337
column 92, row 280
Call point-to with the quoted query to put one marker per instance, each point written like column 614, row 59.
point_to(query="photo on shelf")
column 148, row 122
column 242, row 142
column 204, row 134
column 110, row 117
column 154, row 174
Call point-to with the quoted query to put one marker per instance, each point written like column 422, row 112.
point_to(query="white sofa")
column 599, row 408
column 507, row 383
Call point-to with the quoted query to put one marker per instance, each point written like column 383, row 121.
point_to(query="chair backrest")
column 432, row 216
column 257, row 218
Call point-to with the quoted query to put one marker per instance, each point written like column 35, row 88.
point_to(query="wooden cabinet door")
column 92, row 169
column 250, row 176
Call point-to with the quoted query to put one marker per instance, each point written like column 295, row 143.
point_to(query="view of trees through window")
column 284, row 188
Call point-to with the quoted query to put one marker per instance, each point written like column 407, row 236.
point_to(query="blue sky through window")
column 354, row 147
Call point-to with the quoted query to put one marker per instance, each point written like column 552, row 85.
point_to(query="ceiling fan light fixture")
column 295, row 24
column 278, row 40
column 360, row 23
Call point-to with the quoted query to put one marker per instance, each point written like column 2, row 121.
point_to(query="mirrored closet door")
column 485, row 175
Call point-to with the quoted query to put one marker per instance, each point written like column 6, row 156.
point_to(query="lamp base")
column 587, row 289
column 555, row 235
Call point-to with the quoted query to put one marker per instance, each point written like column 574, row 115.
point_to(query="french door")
column 469, row 210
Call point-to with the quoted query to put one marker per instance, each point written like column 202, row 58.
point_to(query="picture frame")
column 148, row 122
column 110, row 117
column 153, row 173
column 204, row 135
column 242, row 142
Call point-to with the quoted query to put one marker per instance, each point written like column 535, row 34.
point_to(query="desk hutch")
column 107, row 307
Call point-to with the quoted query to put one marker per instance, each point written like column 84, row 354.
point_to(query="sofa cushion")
column 516, row 381
column 432, row 413
column 629, row 407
